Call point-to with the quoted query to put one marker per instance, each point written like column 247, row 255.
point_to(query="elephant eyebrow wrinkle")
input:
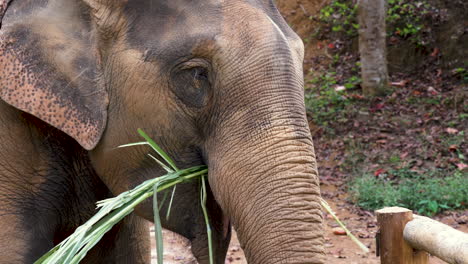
column 154, row 55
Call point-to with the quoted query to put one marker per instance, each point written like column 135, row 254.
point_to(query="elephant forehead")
column 180, row 27
column 172, row 24
column 258, row 26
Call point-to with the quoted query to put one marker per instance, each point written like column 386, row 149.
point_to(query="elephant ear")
column 49, row 67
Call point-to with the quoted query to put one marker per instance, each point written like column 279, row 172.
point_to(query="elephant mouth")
column 218, row 218
column 226, row 226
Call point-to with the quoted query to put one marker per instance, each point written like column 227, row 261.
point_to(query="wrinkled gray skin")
column 213, row 82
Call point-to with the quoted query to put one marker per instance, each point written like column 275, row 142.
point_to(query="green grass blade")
column 82, row 254
column 97, row 222
column 170, row 203
column 98, row 230
column 163, row 200
column 74, row 249
column 158, row 149
column 166, row 168
column 46, row 256
column 207, row 220
column 183, row 178
column 327, row 207
column 133, row 144
column 157, row 227
column 68, row 249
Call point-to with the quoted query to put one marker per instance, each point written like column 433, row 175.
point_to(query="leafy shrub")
column 324, row 102
column 340, row 16
column 405, row 19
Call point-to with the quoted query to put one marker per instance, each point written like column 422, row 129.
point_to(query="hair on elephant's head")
column 214, row 82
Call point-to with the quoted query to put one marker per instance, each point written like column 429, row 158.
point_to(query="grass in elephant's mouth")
column 111, row 211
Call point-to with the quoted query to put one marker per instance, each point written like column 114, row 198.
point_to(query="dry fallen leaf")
column 453, row 148
column 340, row 88
column 451, row 130
column 400, row 83
column 432, row 91
column 339, row 231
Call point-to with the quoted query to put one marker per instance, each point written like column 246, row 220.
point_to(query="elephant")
column 213, row 82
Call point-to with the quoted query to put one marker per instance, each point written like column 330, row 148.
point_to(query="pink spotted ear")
column 48, row 69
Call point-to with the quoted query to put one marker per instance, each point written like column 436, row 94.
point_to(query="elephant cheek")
column 145, row 210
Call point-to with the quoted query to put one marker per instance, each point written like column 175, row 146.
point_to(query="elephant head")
column 213, row 82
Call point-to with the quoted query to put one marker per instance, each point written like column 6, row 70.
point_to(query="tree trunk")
column 372, row 49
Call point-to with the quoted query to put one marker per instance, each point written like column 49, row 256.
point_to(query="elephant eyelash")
column 200, row 74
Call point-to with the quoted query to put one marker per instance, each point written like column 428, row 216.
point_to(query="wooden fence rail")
column 405, row 238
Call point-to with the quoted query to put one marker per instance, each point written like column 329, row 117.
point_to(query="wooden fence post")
column 393, row 248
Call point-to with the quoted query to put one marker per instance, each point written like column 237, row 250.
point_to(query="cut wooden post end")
column 393, row 247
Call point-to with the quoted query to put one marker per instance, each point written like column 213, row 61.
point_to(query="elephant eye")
column 191, row 85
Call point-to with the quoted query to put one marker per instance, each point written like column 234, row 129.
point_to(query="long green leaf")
column 161, row 204
column 158, row 228
column 166, row 168
column 47, row 255
column 170, row 203
column 207, row 220
column 158, row 149
column 133, row 144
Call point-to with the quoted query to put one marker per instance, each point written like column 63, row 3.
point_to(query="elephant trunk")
column 272, row 200
column 261, row 160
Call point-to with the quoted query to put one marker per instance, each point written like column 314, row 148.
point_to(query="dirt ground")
column 339, row 249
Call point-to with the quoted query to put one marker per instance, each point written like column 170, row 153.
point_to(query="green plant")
column 352, row 82
column 427, row 193
column 394, row 159
column 410, row 20
column 326, row 99
column 462, row 73
column 323, row 101
column 463, row 116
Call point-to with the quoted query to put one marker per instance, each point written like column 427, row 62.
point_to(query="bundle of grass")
column 111, row 211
